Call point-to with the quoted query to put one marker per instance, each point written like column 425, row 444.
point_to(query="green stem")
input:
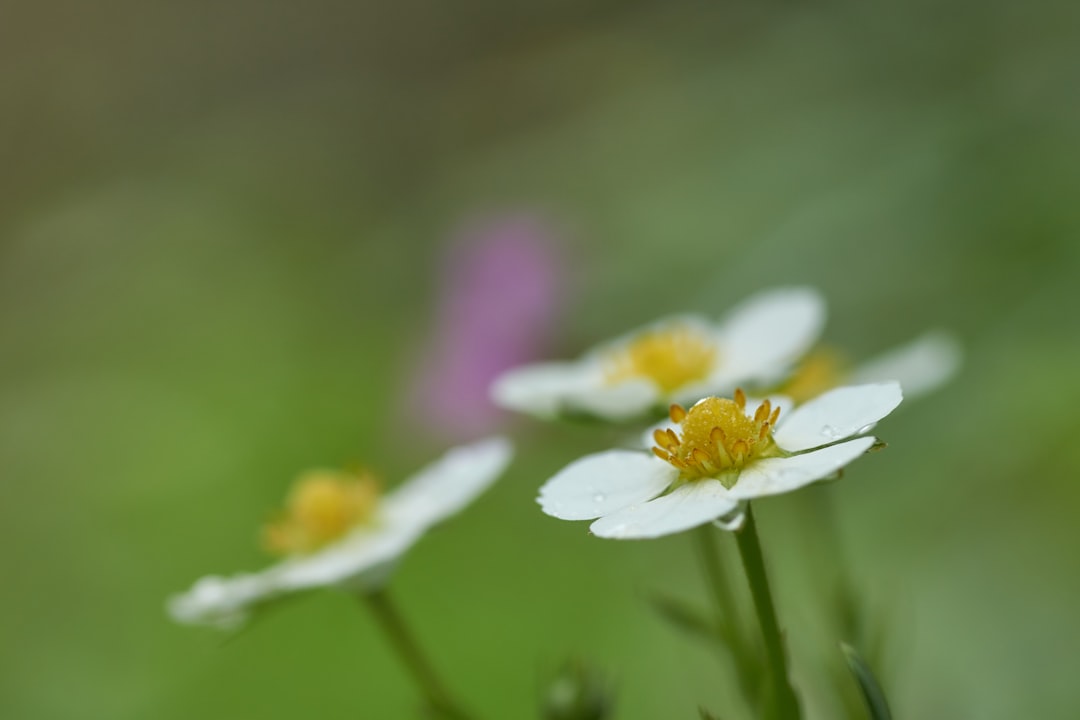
column 407, row 648
column 786, row 703
column 729, row 626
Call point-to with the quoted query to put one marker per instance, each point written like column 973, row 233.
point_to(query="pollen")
column 671, row 357
column 716, row 438
column 322, row 506
column 822, row 369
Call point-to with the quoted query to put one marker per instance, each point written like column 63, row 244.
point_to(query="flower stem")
column 786, row 703
column 397, row 632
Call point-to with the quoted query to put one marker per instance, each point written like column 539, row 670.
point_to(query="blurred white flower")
column 676, row 359
column 920, row 366
column 336, row 531
column 715, row 456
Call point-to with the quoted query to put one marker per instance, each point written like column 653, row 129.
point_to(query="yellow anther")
column 322, row 506
column 677, row 413
column 671, row 357
column 701, row 457
column 716, row 438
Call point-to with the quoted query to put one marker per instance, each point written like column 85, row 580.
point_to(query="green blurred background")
column 221, row 230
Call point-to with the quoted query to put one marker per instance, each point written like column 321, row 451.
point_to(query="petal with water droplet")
column 773, row 476
column 685, row 507
column 837, row 414
column 605, row 482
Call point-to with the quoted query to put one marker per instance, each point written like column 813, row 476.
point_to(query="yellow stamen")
column 822, row 369
column 323, row 505
column 716, row 438
column 671, row 357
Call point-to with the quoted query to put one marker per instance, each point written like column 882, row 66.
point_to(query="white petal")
column 360, row 558
column 220, row 602
column 761, row 337
column 548, row 389
column 773, row 476
column 605, row 482
column 621, row 401
column 920, row 366
column 447, row 485
column 688, row 506
column 364, row 552
column 837, row 414
column 543, row 388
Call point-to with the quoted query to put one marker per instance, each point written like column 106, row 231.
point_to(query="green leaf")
column 871, row 688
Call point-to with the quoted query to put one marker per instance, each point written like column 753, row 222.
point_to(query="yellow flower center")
column 716, row 438
column 323, row 505
column 822, row 369
column 671, row 358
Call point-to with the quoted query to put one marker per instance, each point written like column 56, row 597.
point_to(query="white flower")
column 920, row 366
column 714, row 457
column 335, row 532
column 676, row 359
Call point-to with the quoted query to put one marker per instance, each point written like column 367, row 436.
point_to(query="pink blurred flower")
column 500, row 292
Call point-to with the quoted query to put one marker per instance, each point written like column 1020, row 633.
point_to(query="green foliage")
column 872, row 693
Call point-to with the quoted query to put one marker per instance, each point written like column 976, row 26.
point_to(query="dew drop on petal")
column 830, row 432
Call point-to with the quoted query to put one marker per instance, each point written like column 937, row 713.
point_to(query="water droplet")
column 599, row 497
column 830, row 432
column 865, row 429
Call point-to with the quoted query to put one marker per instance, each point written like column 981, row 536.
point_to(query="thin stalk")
column 408, row 649
column 786, row 703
